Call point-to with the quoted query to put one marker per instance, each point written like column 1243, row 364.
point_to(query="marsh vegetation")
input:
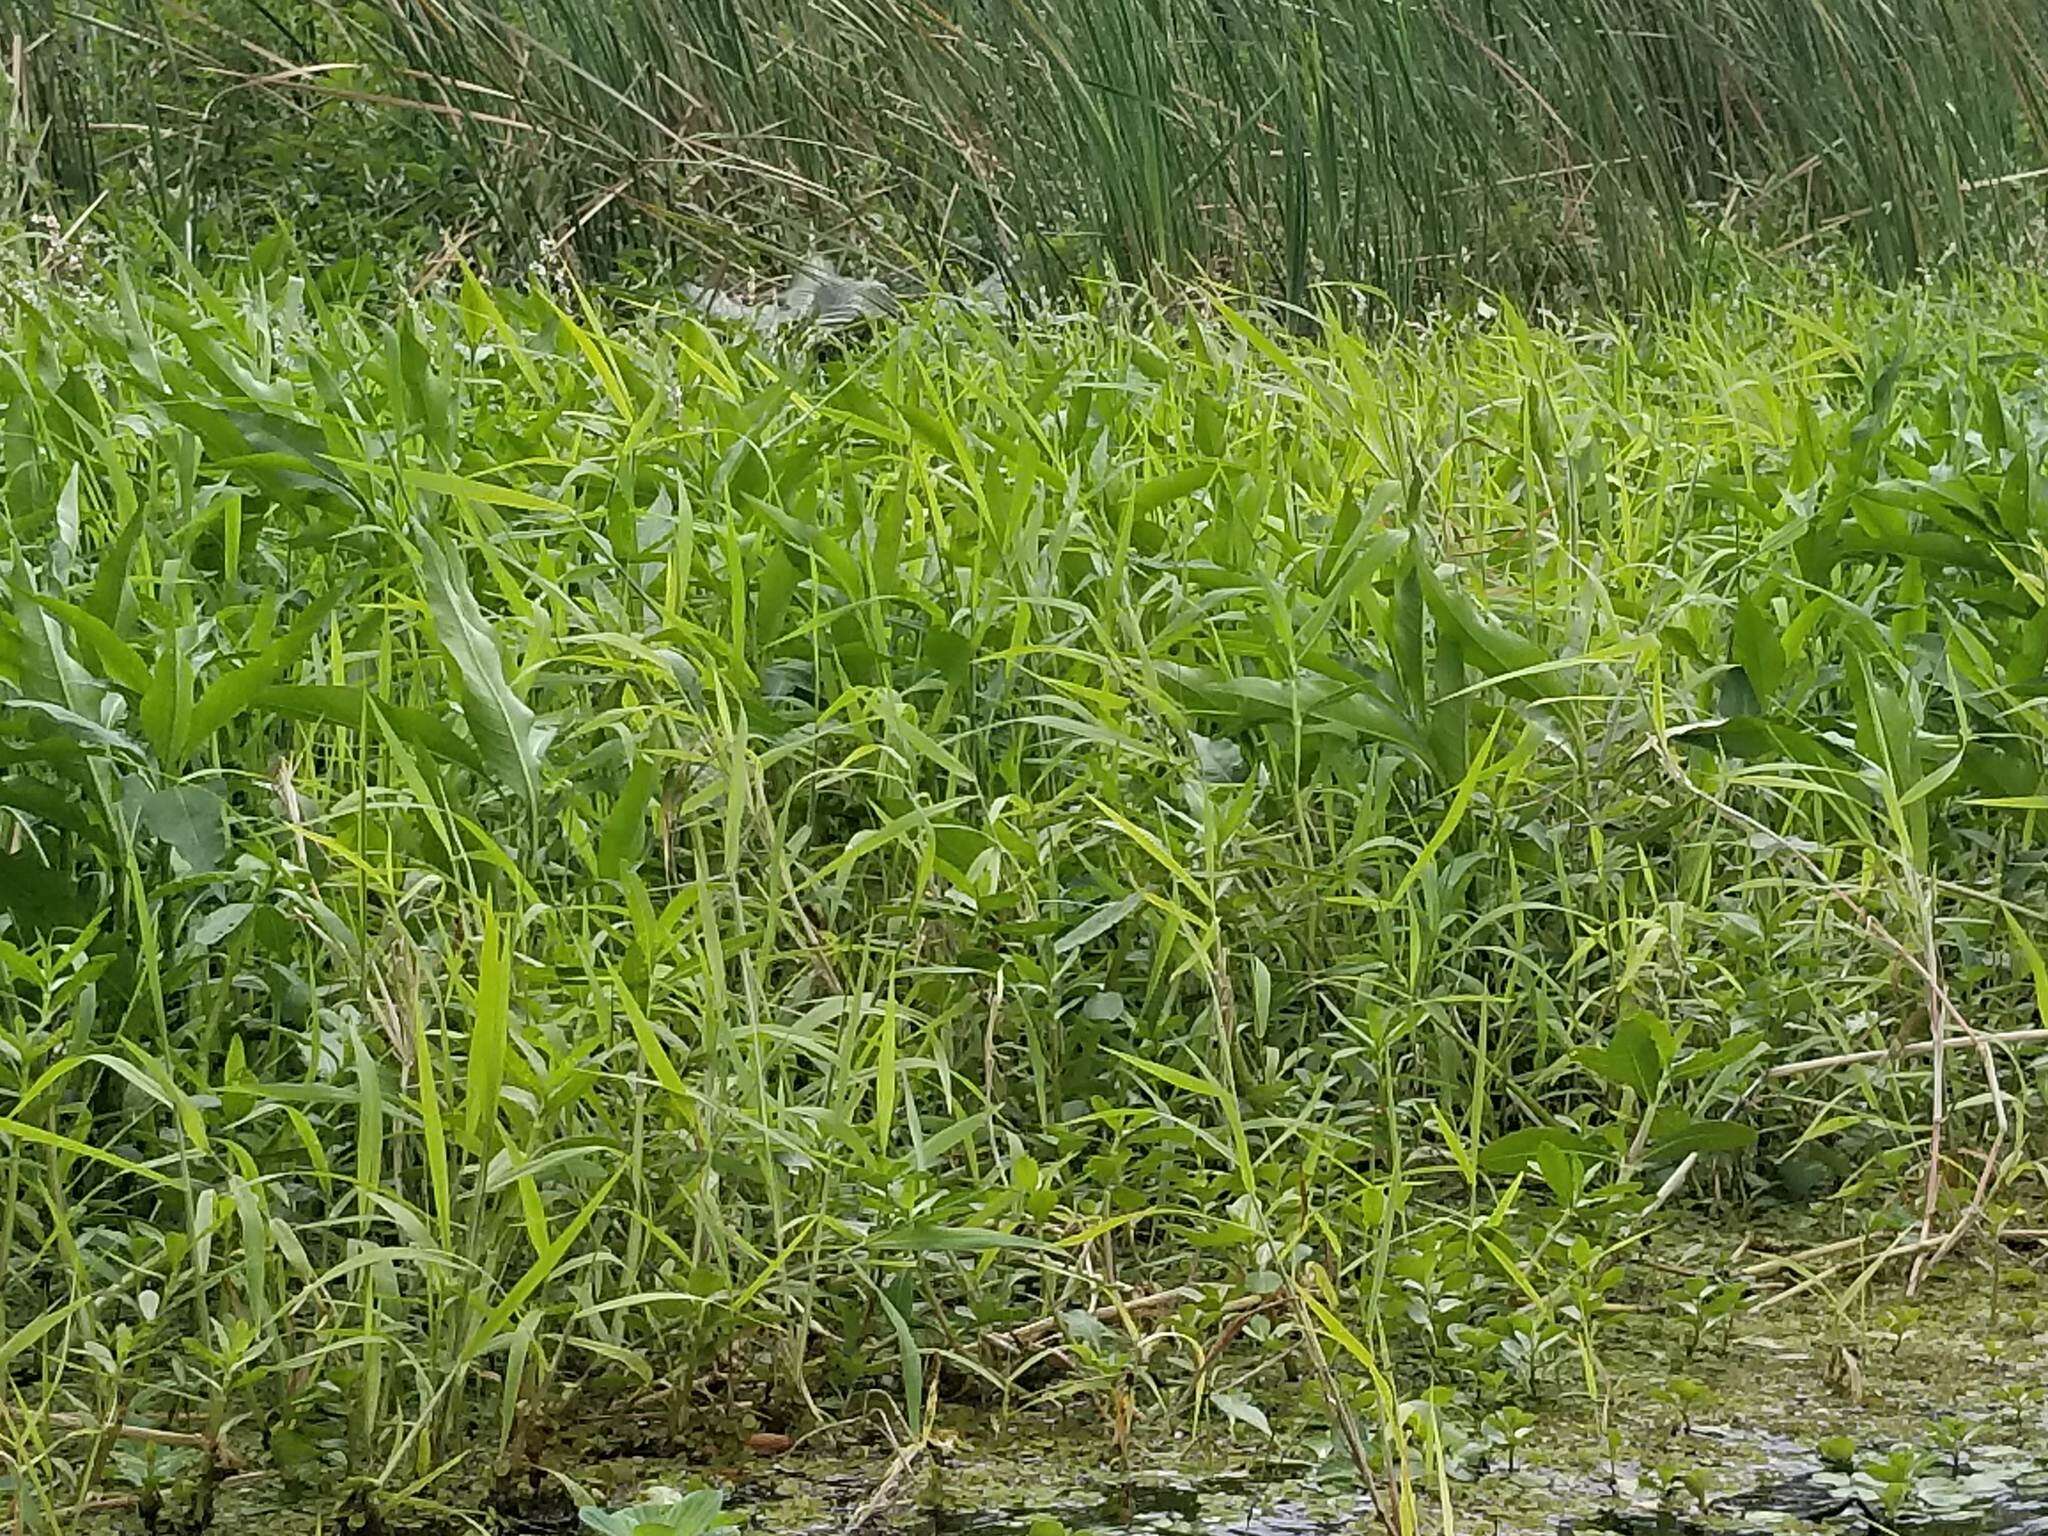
column 1163, row 848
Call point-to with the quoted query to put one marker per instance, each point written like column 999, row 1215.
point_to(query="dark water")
column 1246, row 1505
column 1258, row 1505
column 1236, row 1503
column 2012, row 1506
column 2008, row 1507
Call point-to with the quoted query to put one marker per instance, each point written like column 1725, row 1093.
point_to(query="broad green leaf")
column 624, row 832
column 190, row 818
column 166, row 708
column 1239, row 1409
column 1703, row 1137
column 1516, row 1150
column 1186, row 1081
column 490, row 1030
column 116, row 657
column 500, row 724
column 1171, row 486
column 472, row 489
column 1759, row 651
column 913, row 1364
column 44, row 668
column 1636, row 1055
column 1097, row 923
column 650, row 1043
column 353, row 708
column 77, row 1148
column 1486, row 639
column 230, row 695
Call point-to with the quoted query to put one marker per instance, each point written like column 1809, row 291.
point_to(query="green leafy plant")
column 1507, row 1427
column 2018, row 1399
column 1682, row 1485
column 1952, row 1436
column 1899, row 1319
column 1688, row 1395
column 663, row 1512
column 1898, row 1475
column 1704, row 1304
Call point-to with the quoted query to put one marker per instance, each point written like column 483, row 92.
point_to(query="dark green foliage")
column 1596, row 147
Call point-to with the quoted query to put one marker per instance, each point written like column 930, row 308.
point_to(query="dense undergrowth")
column 543, row 847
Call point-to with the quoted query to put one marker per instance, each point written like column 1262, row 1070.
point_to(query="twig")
column 1765, row 1265
column 1898, row 1250
column 1917, row 1048
column 143, row 1432
column 1383, row 1503
column 1030, row 1335
column 885, row 1490
column 597, row 205
column 1984, row 1176
column 1227, row 1334
column 1937, row 1116
column 1963, row 188
column 900, row 1464
column 1669, row 1187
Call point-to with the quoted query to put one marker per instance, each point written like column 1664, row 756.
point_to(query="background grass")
column 1422, row 147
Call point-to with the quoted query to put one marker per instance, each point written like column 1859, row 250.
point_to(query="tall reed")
column 1415, row 146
